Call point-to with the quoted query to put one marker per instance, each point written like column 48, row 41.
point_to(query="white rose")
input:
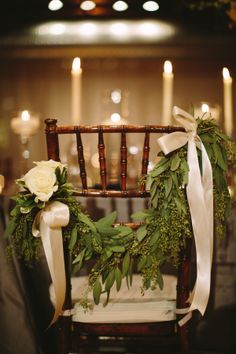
column 41, row 181
column 51, row 163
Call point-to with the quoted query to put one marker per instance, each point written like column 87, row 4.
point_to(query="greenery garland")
column 119, row 251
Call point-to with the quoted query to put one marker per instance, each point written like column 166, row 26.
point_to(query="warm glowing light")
column 151, row 6
column 168, row 67
column 87, row 5
column 120, row 6
column 119, row 29
column 205, row 108
column 115, row 117
column 149, row 29
column 25, row 116
column 133, row 150
column 87, row 29
column 76, row 65
column 55, row 5
column 226, row 74
column 116, row 96
column 57, row 29
column 105, row 31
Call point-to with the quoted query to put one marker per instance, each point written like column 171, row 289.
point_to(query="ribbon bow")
column 200, row 199
column 51, row 220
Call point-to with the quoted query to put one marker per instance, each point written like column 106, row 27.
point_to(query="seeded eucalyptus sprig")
column 119, row 252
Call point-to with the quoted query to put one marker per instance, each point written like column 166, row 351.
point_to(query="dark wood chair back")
column 99, row 131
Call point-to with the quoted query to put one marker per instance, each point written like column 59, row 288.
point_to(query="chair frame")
column 66, row 327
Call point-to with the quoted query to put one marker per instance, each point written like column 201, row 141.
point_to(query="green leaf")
column 107, row 230
column 220, row 160
column 160, row 279
column 180, row 206
column 108, row 253
column 141, row 214
column 155, row 237
column 175, row 180
column 149, row 261
column 160, row 168
column 97, row 289
column 154, row 196
column 73, row 238
column 141, row 264
column 168, row 186
column 118, row 278
column 124, row 230
column 221, row 135
column 79, row 257
column 110, row 280
column 206, row 138
column 86, row 220
column 117, row 249
column 175, row 162
column 125, row 264
column 108, row 220
column 97, row 238
column 141, row 232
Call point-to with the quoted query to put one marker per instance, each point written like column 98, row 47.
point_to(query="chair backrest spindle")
column 80, row 149
column 123, row 161
column 102, row 159
column 145, row 158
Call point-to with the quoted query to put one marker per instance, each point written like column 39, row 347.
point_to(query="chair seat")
column 127, row 305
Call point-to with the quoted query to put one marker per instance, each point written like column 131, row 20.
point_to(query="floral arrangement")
column 119, row 251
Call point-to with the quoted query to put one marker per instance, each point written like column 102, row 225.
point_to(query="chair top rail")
column 111, row 193
column 70, row 129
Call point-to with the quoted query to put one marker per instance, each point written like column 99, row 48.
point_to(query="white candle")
column 228, row 102
column 168, row 78
column 76, row 76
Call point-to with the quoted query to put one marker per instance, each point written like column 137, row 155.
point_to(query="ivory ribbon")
column 51, row 220
column 200, row 199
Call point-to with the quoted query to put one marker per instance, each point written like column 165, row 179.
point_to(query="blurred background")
column 133, row 60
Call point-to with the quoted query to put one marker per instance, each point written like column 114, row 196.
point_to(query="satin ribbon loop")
column 200, row 199
column 47, row 225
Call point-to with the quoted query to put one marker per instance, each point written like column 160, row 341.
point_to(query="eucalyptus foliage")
column 119, row 251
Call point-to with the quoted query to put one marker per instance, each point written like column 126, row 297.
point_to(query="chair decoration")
column 179, row 183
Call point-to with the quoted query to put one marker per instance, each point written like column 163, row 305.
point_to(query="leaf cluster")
column 118, row 252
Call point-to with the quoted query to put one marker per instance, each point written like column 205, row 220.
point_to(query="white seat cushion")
column 127, row 305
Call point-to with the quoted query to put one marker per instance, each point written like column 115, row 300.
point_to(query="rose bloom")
column 51, row 163
column 41, row 181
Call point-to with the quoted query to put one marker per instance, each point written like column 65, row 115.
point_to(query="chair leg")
column 64, row 335
column 183, row 338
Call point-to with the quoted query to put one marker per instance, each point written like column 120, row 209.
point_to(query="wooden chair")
column 87, row 335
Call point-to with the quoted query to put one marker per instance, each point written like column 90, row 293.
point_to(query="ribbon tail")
column 207, row 181
column 53, row 248
column 200, row 224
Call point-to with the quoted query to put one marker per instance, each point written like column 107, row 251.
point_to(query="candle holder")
column 25, row 124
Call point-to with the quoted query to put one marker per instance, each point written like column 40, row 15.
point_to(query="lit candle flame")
column 168, row 67
column 205, row 108
column 226, row 74
column 76, row 65
column 25, row 116
column 115, row 117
